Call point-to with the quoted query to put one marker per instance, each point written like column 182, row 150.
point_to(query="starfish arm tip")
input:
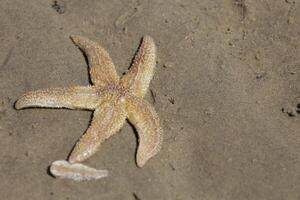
column 148, row 37
column 76, row 157
column 74, row 38
column 22, row 102
column 144, row 155
column 140, row 162
column 18, row 105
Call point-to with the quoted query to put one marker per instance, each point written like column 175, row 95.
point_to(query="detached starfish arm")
column 102, row 69
column 75, row 171
column 73, row 98
column 141, row 71
column 106, row 121
column 143, row 116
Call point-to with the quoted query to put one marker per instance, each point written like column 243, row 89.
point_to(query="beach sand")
column 226, row 88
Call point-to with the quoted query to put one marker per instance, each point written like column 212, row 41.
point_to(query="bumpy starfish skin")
column 112, row 99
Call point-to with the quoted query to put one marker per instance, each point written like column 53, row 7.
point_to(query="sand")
column 226, row 88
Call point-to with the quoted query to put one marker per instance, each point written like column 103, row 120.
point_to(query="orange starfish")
column 112, row 99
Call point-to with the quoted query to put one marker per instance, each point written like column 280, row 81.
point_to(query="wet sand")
column 226, row 88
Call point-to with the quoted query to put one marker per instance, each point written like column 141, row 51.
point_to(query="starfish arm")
column 106, row 121
column 143, row 116
column 102, row 69
column 76, row 171
column 72, row 98
column 141, row 71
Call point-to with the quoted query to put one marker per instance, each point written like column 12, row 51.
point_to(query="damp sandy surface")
column 226, row 88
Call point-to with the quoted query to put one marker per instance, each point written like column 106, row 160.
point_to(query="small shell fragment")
column 75, row 171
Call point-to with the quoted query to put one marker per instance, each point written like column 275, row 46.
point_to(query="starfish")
column 112, row 99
